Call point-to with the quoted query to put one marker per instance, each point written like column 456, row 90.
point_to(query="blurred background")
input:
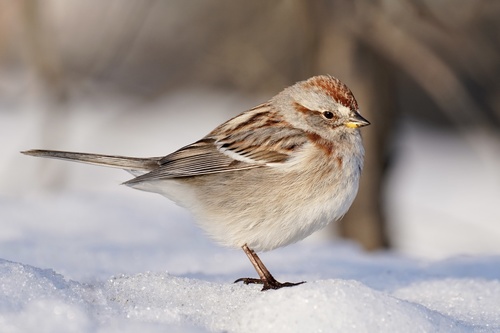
column 144, row 77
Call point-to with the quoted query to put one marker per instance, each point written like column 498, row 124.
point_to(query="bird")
column 267, row 178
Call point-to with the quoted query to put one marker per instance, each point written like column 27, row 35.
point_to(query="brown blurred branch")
column 432, row 73
column 428, row 69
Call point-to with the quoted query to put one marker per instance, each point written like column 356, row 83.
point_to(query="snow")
column 442, row 179
column 87, row 255
column 382, row 298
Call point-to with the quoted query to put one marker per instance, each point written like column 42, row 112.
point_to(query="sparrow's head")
column 321, row 105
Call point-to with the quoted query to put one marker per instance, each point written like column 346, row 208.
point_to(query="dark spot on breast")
column 321, row 143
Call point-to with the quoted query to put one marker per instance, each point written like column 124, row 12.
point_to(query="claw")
column 272, row 284
column 266, row 279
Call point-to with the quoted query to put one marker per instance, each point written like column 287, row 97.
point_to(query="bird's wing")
column 199, row 158
column 244, row 148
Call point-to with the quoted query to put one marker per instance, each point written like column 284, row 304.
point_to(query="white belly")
column 265, row 213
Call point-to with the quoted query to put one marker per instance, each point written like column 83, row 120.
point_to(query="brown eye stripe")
column 301, row 108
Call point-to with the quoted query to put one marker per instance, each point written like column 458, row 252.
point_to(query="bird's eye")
column 328, row 114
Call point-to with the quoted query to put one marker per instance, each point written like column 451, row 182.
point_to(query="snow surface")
column 87, row 255
column 349, row 294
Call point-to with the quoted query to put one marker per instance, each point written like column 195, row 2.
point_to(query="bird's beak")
column 356, row 121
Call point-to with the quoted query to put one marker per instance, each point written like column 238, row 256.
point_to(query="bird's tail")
column 122, row 162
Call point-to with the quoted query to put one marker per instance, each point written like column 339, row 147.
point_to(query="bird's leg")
column 266, row 278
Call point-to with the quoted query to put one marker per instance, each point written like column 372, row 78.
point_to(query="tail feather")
column 122, row 162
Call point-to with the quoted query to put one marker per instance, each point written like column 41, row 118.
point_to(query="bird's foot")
column 268, row 283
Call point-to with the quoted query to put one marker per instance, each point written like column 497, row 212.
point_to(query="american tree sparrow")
column 266, row 178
